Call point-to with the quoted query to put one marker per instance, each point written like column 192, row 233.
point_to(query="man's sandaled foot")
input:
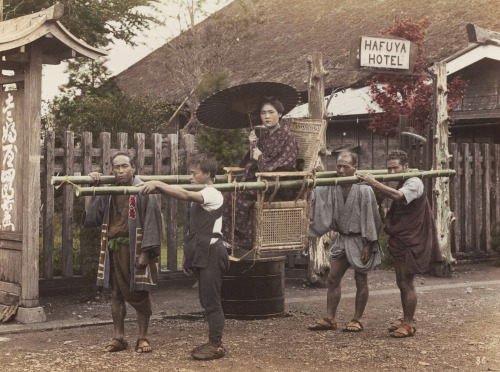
column 394, row 326
column 354, row 326
column 325, row 324
column 143, row 346
column 117, row 344
column 404, row 331
column 208, row 352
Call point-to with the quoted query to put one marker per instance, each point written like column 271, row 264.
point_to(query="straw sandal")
column 143, row 346
column 404, row 331
column 117, row 344
column 325, row 324
column 354, row 326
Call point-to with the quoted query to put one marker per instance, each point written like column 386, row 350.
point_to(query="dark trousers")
column 210, row 283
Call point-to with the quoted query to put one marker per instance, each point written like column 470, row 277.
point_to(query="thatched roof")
column 289, row 30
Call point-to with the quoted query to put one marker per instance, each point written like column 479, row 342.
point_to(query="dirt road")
column 458, row 329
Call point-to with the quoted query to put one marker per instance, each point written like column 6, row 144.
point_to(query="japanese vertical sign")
column 10, row 195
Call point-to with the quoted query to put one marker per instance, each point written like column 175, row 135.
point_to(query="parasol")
column 234, row 107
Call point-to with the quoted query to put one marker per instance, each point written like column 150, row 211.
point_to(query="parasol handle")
column 252, row 145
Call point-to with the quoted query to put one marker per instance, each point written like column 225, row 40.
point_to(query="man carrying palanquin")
column 130, row 246
column 352, row 212
column 411, row 233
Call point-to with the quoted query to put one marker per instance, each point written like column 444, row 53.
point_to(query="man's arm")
column 384, row 189
column 171, row 190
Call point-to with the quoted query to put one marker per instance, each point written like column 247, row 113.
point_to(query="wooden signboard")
column 11, row 197
column 391, row 53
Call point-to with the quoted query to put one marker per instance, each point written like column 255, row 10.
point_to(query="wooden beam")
column 18, row 57
column 476, row 114
column 31, row 176
column 173, row 143
column 10, row 288
column 48, row 203
column 53, row 13
column 56, row 58
column 319, row 260
column 481, row 35
column 10, row 79
column 441, row 193
column 12, row 66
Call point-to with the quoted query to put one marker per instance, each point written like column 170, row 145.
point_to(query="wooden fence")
column 475, row 191
column 78, row 156
column 475, row 197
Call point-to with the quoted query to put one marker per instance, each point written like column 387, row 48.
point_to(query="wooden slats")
column 67, row 213
column 475, row 191
column 48, row 206
column 80, row 157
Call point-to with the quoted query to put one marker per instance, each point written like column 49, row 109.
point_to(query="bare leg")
column 143, row 320
column 118, row 310
column 337, row 271
column 143, row 346
column 408, row 293
column 361, row 294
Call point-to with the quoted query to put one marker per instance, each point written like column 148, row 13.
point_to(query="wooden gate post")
column 23, row 49
column 441, row 195
column 319, row 263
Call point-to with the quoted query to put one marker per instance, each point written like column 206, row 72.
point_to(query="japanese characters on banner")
column 9, row 157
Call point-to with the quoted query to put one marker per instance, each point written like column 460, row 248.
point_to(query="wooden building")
column 476, row 119
column 276, row 46
column 282, row 34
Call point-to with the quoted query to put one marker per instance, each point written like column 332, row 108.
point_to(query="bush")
column 228, row 145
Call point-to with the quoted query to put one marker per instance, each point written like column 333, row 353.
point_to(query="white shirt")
column 212, row 200
column 412, row 189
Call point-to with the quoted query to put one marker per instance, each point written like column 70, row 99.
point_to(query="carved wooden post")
column 319, row 263
column 441, row 195
column 20, row 122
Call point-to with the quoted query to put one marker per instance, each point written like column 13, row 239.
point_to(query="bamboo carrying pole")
column 246, row 186
column 177, row 179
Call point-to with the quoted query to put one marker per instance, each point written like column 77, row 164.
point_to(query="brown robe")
column 412, row 235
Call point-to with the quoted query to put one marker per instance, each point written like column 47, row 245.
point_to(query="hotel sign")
column 391, row 53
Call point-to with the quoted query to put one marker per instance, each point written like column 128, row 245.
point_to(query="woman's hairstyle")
column 398, row 154
column 205, row 161
column 273, row 102
column 352, row 155
column 124, row 153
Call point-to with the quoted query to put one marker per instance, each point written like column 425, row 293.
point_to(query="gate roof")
column 57, row 42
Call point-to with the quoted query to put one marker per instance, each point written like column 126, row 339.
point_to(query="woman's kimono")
column 279, row 153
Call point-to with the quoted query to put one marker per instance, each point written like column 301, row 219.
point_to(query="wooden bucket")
column 254, row 289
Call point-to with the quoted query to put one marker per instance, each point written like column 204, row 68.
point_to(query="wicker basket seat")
column 284, row 225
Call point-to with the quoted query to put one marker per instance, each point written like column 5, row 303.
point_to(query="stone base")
column 31, row 315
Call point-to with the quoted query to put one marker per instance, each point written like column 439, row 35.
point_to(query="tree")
column 198, row 53
column 410, row 96
column 93, row 102
column 95, row 21
column 228, row 145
